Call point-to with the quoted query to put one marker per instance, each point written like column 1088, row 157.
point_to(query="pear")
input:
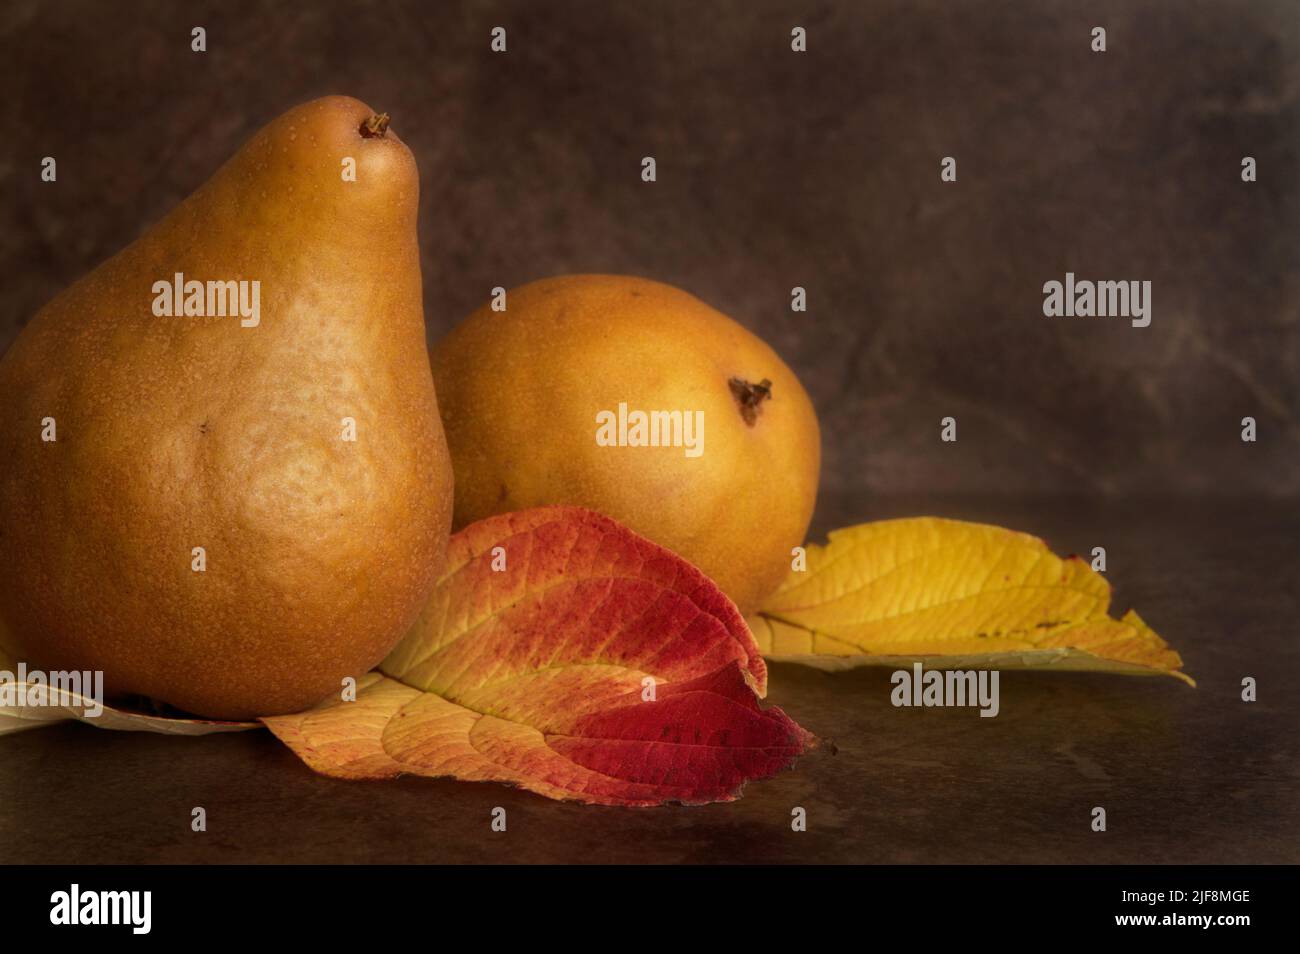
column 225, row 480
column 638, row 400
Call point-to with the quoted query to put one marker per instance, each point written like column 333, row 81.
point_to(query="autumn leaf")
column 952, row 595
column 564, row 654
column 28, row 705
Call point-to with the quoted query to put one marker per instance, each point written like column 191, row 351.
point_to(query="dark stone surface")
column 1186, row 775
column 775, row 170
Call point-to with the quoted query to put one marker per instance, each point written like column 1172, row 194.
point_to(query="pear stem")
column 750, row 397
column 375, row 126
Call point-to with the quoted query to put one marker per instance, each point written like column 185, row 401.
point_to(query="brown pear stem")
column 750, row 397
column 375, row 126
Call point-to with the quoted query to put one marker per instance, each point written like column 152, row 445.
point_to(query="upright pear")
column 224, row 480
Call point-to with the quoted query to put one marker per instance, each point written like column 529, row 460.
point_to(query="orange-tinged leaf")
column 952, row 595
column 564, row 654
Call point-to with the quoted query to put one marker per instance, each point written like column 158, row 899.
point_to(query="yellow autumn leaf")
column 952, row 594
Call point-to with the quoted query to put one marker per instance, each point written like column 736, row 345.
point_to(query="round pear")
column 638, row 400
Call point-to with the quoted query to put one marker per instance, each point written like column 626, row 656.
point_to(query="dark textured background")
column 778, row 169
column 775, row 170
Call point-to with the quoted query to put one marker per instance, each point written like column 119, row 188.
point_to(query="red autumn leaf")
column 565, row 654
